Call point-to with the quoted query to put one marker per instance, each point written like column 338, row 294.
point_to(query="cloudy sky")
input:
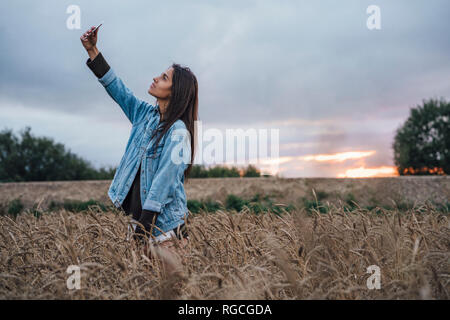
column 334, row 89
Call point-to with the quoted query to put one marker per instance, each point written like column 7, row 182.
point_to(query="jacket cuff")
column 152, row 205
column 108, row 78
column 99, row 66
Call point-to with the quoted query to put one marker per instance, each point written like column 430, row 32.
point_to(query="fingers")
column 88, row 33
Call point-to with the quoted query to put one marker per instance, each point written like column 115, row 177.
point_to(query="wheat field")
column 231, row 255
column 366, row 191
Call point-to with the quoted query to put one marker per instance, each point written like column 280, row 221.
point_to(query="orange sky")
column 352, row 170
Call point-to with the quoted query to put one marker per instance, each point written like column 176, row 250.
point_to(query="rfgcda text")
column 226, row 309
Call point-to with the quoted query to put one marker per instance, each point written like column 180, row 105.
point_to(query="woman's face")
column 162, row 85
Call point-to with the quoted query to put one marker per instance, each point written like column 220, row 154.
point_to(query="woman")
column 149, row 181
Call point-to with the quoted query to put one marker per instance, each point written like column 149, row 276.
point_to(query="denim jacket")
column 162, row 170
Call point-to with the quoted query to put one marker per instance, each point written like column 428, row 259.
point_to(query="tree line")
column 421, row 147
column 30, row 158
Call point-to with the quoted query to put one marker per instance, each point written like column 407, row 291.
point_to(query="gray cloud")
column 255, row 61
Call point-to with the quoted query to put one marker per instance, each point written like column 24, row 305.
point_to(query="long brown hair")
column 183, row 105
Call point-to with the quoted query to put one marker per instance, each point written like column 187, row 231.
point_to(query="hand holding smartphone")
column 90, row 32
column 97, row 27
column 89, row 39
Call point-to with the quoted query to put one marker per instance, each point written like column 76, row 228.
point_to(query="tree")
column 251, row 171
column 198, row 171
column 422, row 144
column 218, row 171
column 223, row 172
column 40, row 159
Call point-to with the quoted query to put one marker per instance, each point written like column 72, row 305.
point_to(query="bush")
column 311, row 204
column 256, row 204
column 350, row 202
column 321, row 195
column 233, row 202
column 34, row 211
column 195, row 206
column 251, row 171
column 77, row 206
column 15, row 207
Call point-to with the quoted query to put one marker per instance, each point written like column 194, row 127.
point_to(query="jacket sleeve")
column 175, row 157
column 134, row 108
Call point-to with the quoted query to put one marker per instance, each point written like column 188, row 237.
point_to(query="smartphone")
column 92, row 32
column 97, row 27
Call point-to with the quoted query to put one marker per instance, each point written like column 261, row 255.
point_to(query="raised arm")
column 134, row 108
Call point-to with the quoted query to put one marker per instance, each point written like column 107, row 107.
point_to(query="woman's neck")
column 162, row 107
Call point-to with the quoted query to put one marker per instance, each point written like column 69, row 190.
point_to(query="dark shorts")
column 179, row 231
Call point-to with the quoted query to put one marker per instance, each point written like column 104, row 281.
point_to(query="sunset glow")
column 423, row 170
column 361, row 172
column 338, row 157
column 275, row 161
